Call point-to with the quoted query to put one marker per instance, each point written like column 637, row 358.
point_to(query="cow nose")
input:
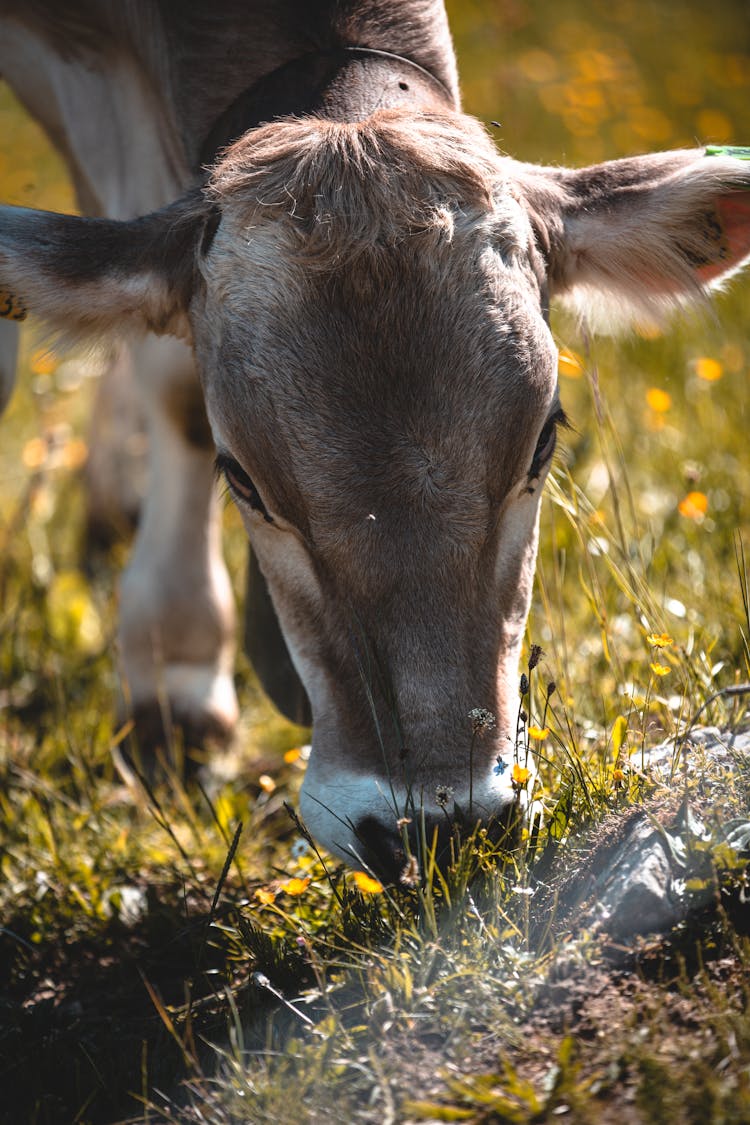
column 374, row 824
column 391, row 854
column 388, row 852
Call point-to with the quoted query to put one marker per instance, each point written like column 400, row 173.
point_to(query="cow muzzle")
column 393, row 832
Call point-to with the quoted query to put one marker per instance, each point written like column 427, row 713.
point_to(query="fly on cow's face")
column 240, row 484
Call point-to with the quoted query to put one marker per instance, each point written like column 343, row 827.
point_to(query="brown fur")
column 348, row 188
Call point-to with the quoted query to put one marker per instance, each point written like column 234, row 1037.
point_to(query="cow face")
column 367, row 303
column 381, row 385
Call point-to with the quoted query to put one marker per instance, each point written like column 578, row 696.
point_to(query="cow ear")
column 91, row 277
column 633, row 238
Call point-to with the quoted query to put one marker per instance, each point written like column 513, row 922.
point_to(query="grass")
column 184, row 955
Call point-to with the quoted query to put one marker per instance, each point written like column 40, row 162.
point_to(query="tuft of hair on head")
column 343, row 189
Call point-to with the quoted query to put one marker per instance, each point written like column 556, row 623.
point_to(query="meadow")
column 184, row 952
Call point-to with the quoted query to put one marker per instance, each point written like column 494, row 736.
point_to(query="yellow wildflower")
column 296, row 887
column 265, row 896
column 366, row 884
column 538, row 733
column 569, row 364
column 658, row 400
column 660, row 669
column 660, row 640
column 694, row 506
column 520, row 775
column 708, row 369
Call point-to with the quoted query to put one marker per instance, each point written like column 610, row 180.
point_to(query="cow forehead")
column 433, row 351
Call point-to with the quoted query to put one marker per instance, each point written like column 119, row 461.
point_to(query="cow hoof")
column 172, row 738
column 104, row 531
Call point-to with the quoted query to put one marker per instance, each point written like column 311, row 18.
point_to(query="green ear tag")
column 736, row 151
column 11, row 307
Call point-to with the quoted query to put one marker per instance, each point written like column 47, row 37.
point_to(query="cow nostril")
column 389, row 852
column 382, row 849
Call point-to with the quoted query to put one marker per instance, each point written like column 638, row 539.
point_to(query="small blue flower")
column 501, row 767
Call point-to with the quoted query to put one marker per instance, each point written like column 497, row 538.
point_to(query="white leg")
column 177, row 618
column 116, row 466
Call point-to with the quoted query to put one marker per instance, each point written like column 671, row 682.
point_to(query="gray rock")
column 642, row 888
column 649, row 877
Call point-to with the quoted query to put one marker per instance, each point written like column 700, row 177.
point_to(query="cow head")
column 368, row 305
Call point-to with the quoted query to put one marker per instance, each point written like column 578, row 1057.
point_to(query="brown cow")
column 364, row 282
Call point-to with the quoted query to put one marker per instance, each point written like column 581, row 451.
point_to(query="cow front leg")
column 116, row 464
column 177, row 617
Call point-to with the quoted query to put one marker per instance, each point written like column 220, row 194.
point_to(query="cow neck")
column 346, row 84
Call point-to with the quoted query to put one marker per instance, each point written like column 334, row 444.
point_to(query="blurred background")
column 643, row 518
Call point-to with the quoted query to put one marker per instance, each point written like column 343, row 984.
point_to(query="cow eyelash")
column 545, row 446
column 240, row 484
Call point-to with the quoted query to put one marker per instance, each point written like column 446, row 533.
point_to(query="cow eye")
column 241, row 484
column 545, row 446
